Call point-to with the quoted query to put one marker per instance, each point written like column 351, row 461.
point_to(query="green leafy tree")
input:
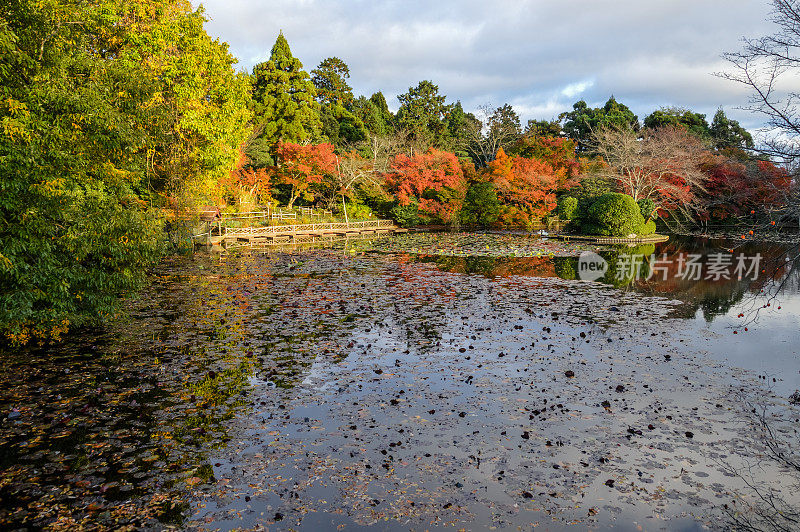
column 284, row 100
column 694, row 123
column 374, row 113
column 460, row 130
column 380, row 102
column 107, row 108
column 422, row 111
column 369, row 114
column 197, row 116
column 481, row 206
column 341, row 126
column 543, row 128
column 330, row 80
column 567, row 207
column 727, row 133
column 583, row 121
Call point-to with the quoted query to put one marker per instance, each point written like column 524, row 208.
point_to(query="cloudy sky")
column 538, row 55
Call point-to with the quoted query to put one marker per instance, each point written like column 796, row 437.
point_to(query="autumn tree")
column 302, row 169
column 284, row 102
column 355, row 175
column 249, row 186
column 735, row 189
column 433, row 181
column 663, row 165
column 557, row 152
column 526, row 188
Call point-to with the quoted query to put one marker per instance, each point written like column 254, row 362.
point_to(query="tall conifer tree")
column 284, row 99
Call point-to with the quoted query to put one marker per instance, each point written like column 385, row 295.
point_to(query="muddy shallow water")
column 373, row 387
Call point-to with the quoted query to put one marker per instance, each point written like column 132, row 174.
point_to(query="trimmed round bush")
column 567, row 208
column 613, row 214
column 648, row 228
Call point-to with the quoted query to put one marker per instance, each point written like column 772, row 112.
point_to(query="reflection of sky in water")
column 451, row 391
column 771, row 344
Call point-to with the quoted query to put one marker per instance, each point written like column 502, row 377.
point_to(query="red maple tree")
column 304, row 166
column 434, row 180
column 737, row 188
column 527, row 187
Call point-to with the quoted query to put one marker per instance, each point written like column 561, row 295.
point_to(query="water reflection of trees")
column 712, row 298
column 111, row 428
column 717, row 297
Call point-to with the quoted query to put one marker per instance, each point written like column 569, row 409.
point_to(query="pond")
column 416, row 383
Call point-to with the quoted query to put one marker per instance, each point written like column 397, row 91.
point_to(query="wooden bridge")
column 257, row 236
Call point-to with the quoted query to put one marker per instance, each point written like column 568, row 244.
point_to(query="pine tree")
column 284, row 96
column 330, row 80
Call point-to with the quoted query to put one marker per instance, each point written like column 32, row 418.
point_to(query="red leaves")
column 307, row 162
column 421, row 177
column 302, row 166
column 557, row 152
column 735, row 189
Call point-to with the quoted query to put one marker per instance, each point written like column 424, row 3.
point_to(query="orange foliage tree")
column 526, row 187
column 558, row 152
column 433, row 180
column 304, row 168
column 248, row 185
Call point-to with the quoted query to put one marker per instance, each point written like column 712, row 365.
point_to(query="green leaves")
column 104, row 108
column 284, row 99
column 615, row 214
column 422, row 110
column 582, row 121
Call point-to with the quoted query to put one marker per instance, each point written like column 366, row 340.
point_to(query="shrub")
column 357, row 211
column 613, row 214
column 567, row 208
column 406, row 215
column 647, row 207
column 481, row 205
column 648, row 228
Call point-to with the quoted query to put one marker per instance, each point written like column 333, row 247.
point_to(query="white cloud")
column 537, row 55
column 574, row 89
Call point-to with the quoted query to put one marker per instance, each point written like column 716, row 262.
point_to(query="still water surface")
column 401, row 386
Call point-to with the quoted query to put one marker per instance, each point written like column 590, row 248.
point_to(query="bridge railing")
column 307, row 228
